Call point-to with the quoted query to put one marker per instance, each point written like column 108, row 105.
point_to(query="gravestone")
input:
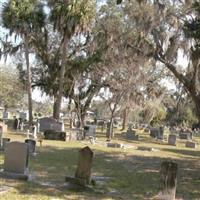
column 172, row 139
column 190, row 144
column 157, row 133
column 131, row 135
column 168, row 180
column 16, row 161
column 54, row 135
column 89, row 131
column 31, row 145
column 154, row 132
column 184, row 136
column 83, row 171
column 114, row 145
column 48, row 123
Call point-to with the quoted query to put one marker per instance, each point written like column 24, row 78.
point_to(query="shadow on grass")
column 131, row 177
column 193, row 153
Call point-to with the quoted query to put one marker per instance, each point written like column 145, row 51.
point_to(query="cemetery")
column 99, row 100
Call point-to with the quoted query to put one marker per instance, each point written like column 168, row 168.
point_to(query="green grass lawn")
column 133, row 174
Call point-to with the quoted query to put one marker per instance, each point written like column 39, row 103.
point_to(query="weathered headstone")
column 190, row 144
column 48, row 123
column 31, row 145
column 114, row 145
column 168, row 180
column 157, row 133
column 16, row 161
column 131, row 135
column 184, row 136
column 54, row 135
column 172, row 139
column 154, row 132
column 83, row 171
column 89, row 130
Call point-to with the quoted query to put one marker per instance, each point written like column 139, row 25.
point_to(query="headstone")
column 5, row 115
column 89, row 130
column 184, row 136
column 31, row 145
column 168, row 180
column 142, row 148
column 114, row 145
column 16, row 161
column 190, row 144
column 83, row 171
column 16, row 124
column 161, row 133
column 53, row 135
column 48, row 123
column 172, row 139
column 131, row 135
column 154, row 132
column 157, row 133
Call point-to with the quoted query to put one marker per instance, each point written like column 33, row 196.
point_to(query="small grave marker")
column 168, row 180
column 31, row 145
column 172, row 139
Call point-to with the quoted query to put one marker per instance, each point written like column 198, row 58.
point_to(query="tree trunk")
column 111, row 133
column 125, row 115
column 29, row 77
column 196, row 100
column 61, row 82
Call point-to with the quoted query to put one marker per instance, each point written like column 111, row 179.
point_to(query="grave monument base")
column 11, row 175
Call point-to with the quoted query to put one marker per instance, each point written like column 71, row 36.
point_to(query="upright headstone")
column 154, row 132
column 16, row 161
column 31, row 145
column 168, row 180
column 185, row 136
column 172, row 139
column 83, row 171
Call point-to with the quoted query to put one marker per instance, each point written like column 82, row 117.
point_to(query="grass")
column 133, row 174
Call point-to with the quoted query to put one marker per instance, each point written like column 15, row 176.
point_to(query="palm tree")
column 21, row 18
column 68, row 17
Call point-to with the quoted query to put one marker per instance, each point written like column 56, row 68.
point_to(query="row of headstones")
column 189, row 143
column 16, row 166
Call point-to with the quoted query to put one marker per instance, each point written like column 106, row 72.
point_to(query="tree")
column 21, row 18
column 162, row 25
column 68, row 17
column 11, row 91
